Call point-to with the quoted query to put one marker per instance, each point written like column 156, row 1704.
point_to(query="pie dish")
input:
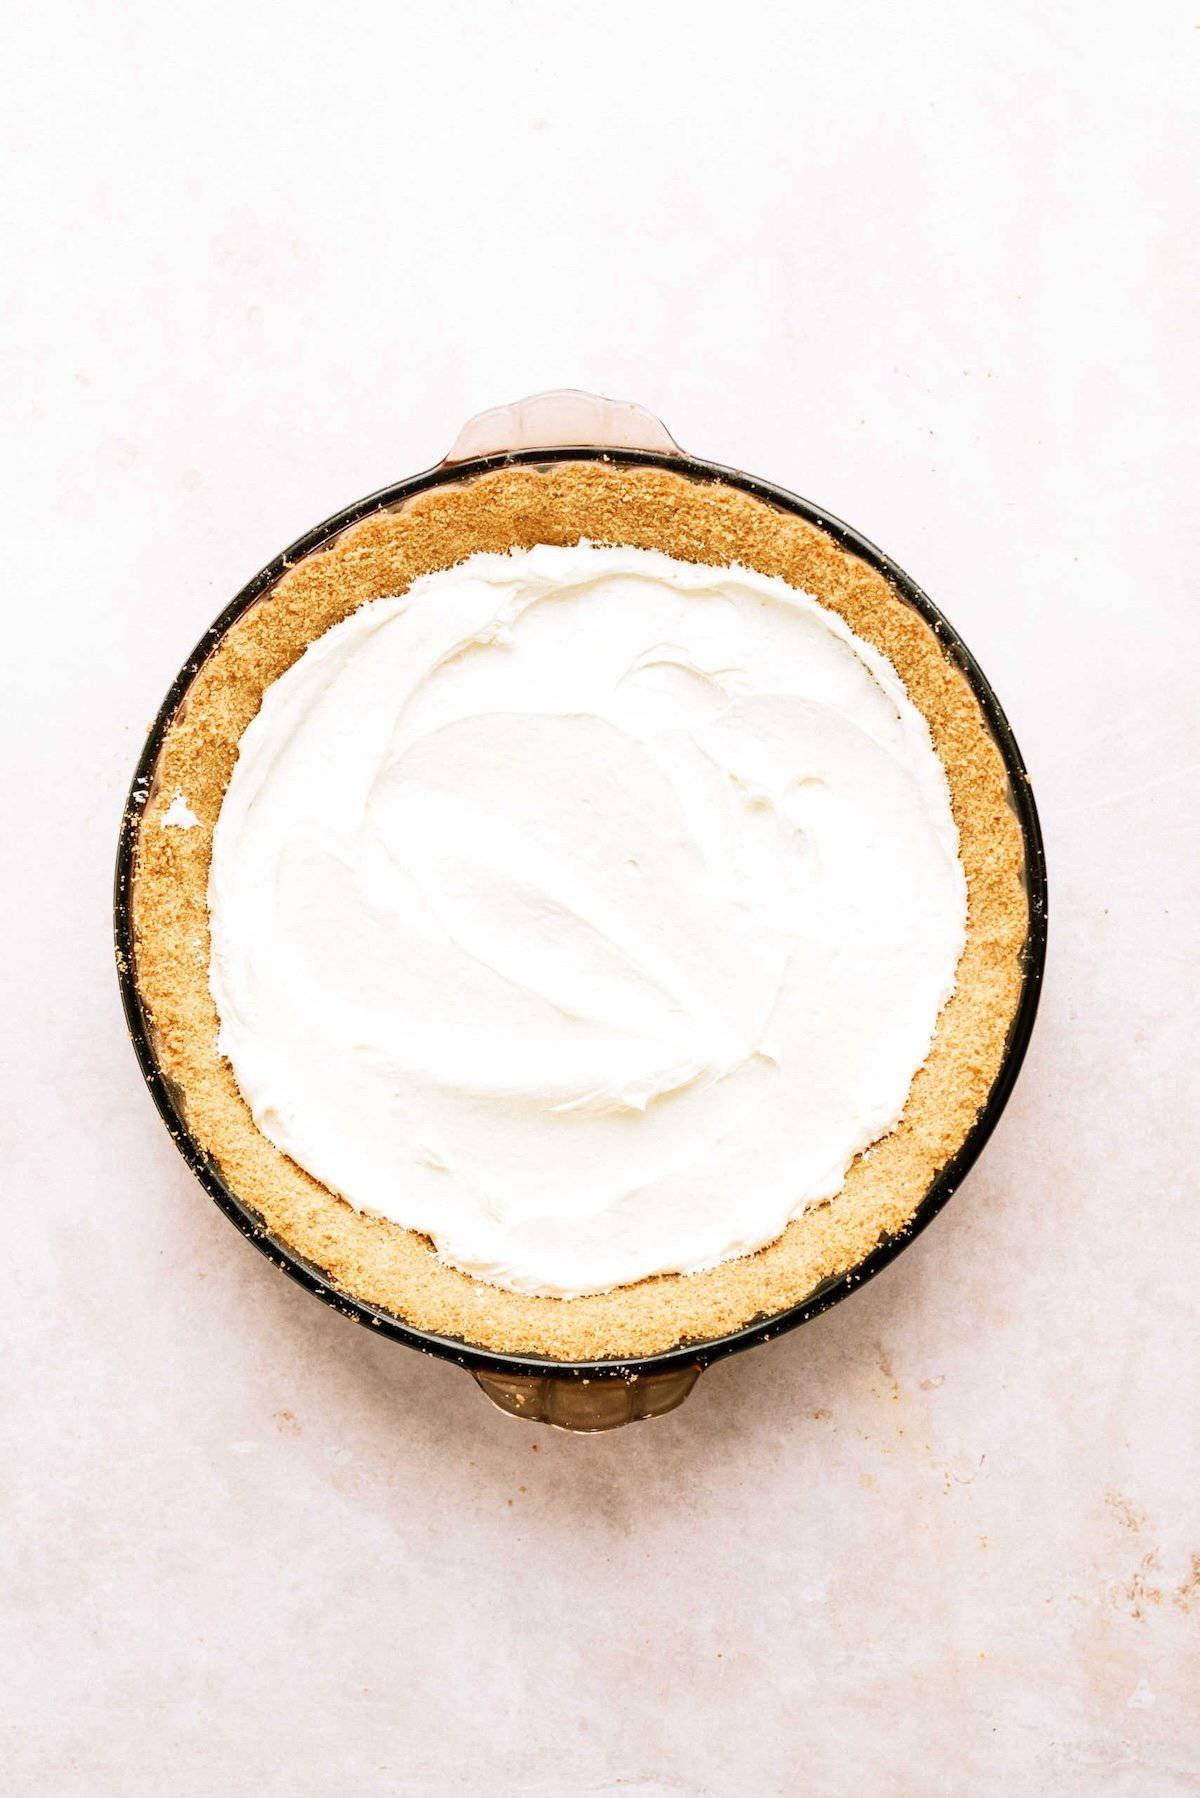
column 556, row 471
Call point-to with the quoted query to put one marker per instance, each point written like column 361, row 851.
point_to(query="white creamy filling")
column 179, row 815
column 586, row 910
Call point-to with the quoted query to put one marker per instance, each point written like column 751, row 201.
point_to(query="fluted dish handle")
column 586, row 1406
column 563, row 419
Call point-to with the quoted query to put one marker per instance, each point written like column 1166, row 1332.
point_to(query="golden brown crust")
column 388, row 1266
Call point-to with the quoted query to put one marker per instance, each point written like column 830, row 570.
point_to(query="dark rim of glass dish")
column 829, row 1291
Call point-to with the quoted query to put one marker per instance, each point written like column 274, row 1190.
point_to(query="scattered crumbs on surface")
column 1190, row 1589
column 1133, row 1595
column 821, row 1415
column 1141, row 1591
column 287, row 1423
column 932, row 1385
column 1127, row 1514
column 179, row 813
column 534, row 1447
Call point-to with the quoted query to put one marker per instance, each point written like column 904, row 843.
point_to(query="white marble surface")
column 925, row 265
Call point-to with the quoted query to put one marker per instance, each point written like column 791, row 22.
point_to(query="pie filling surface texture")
column 585, row 910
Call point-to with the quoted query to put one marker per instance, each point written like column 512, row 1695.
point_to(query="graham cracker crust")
column 380, row 1262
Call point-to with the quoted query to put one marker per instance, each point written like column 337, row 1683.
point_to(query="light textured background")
column 928, row 266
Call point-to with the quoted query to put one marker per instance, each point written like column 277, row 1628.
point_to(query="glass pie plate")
column 601, row 1394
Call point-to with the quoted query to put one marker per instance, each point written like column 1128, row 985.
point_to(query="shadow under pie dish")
column 603, row 1357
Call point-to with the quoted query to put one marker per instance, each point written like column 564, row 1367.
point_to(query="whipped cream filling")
column 585, row 910
column 179, row 815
